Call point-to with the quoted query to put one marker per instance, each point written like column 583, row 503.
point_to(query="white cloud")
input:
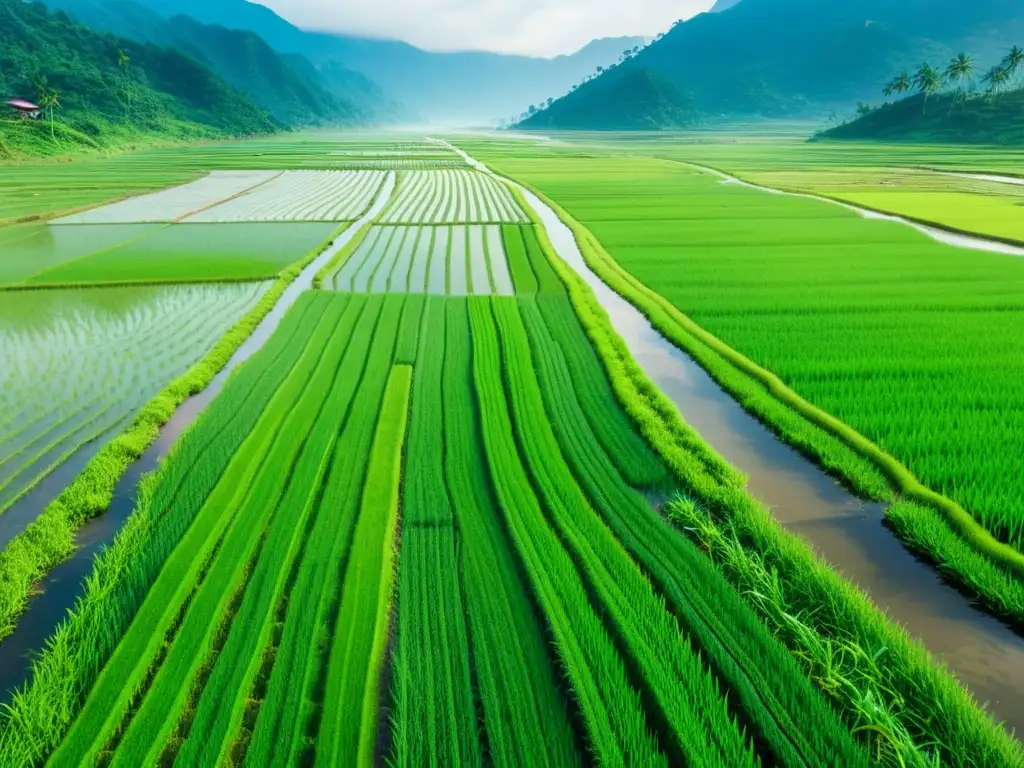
column 537, row 27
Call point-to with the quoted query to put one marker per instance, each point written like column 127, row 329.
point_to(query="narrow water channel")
column 65, row 583
column 984, row 654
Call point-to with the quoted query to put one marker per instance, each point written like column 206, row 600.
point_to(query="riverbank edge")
column 50, row 538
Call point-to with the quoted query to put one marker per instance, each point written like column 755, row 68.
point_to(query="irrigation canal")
column 65, row 583
column 986, row 655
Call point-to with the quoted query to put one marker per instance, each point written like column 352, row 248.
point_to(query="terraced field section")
column 78, row 365
column 917, row 345
column 258, row 621
column 440, row 260
column 248, row 196
column 451, row 197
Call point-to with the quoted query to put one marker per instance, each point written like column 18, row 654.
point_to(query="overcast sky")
column 537, row 27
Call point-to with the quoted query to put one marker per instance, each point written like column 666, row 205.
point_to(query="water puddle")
column 984, row 654
column 65, row 583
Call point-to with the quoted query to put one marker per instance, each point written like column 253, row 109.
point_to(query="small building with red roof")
column 26, row 109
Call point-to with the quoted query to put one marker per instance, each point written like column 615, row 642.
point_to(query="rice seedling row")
column 174, row 203
column 792, row 719
column 80, row 366
column 300, row 196
column 401, row 163
column 438, row 260
column 451, row 197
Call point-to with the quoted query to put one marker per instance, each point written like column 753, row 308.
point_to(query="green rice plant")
column 210, row 725
column 792, row 719
column 547, row 280
column 289, row 712
column 336, row 262
column 639, row 465
column 219, row 527
column 927, row 532
column 611, row 709
column 524, row 713
column 407, row 344
column 168, row 503
column 885, row 685
column 522, row 273
column 679, row 687
column 941, row 315
column 424, row 497
column 963, row 729
column 352, row 697
column 433, row 722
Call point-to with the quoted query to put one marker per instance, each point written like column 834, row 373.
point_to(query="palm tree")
column 49, row 100
column 124, row 62
column 1013, row 61
column 996, row 78
column 899, row 85
column 960, row 71
column 928, row 81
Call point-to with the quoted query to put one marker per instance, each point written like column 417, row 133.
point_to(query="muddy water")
column 985, row 655
column 62, row 587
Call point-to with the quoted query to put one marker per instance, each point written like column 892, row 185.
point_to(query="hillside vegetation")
column 637, row 100
column 102, row 91
column 289, row 87
column 996, row 119
column 794, row 58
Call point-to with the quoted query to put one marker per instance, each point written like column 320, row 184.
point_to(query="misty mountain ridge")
column 467, row 86
column 805, row 58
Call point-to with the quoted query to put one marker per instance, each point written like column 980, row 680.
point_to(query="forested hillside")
column 643, row 101
column 100, row 90
column 945, row 118
column 786, row 58
column 288, row 87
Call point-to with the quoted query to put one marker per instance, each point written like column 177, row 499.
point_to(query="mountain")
column 644, row 101
column 981, row 119
column 456, row 87
column 723, row 5
column 789, row 58
column 290, row 90
column 162, row 92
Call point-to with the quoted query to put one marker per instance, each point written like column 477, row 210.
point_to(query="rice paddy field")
column 451, row 197
column 440, row 516
column 915, row 344
column 456, row 261
column 79, row 364
column 921, row 183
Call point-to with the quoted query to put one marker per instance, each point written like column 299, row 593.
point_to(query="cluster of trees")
column 959, row 76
